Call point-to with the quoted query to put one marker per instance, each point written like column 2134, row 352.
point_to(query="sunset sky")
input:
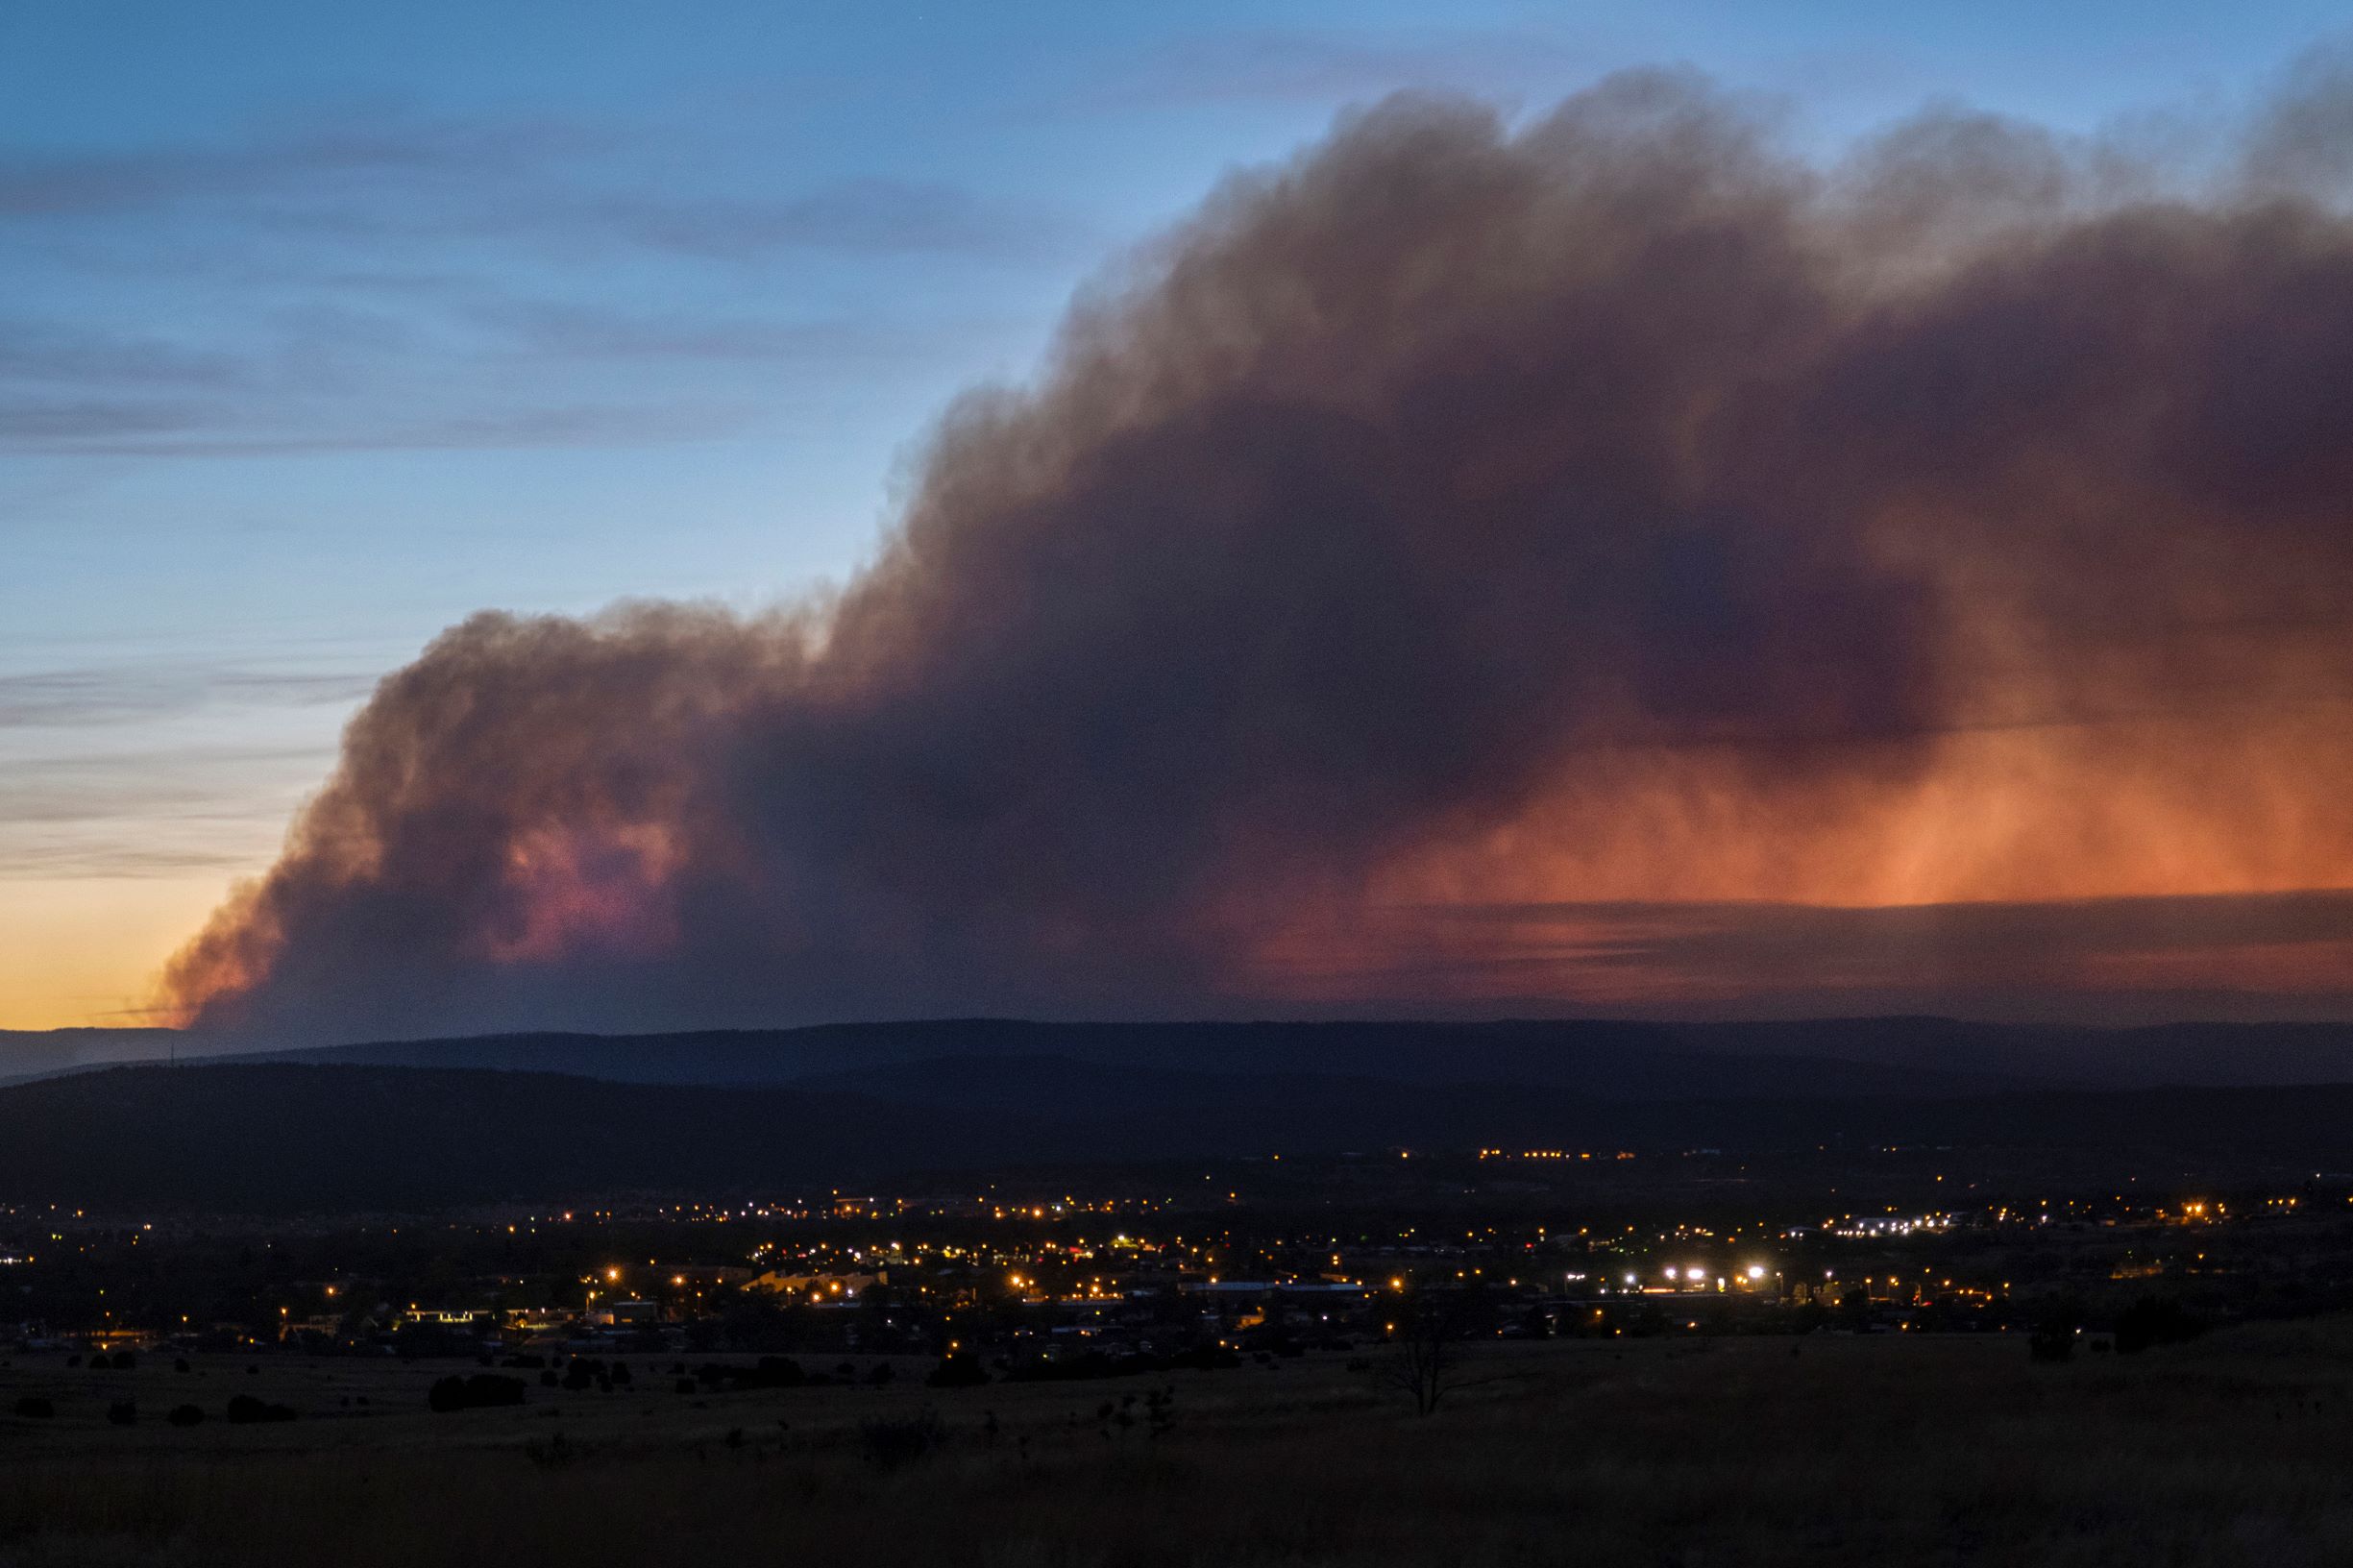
column 323, row 329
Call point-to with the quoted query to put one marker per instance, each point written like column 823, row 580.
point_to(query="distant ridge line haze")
column 1616, row 1059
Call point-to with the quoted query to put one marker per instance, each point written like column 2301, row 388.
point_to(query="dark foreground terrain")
column 1884, row 1449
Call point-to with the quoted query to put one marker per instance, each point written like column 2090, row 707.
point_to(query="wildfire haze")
column 1608, row 558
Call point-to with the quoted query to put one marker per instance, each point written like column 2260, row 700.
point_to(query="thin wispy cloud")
column 62, row 352
column 599, row 331
column 37, row 424
column 2154, row 955
column 90, row 432
column 321, row 153
column 879, row 216
column 371, row 178
column 207, row 850
column 1333, row 67
column 380, row 280
column 147, row 811
column 160, row 767
column 139, row 694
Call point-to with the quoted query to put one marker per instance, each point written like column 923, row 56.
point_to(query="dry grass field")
column 2236, row 1449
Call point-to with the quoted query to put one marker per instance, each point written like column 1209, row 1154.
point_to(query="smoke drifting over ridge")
column 1439, row 547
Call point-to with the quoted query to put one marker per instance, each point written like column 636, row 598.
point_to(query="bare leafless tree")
column 1426, row 1333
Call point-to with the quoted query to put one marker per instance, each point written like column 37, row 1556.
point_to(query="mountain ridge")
column 1622, row 1058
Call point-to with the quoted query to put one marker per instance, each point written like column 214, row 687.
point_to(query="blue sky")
column 324, row 325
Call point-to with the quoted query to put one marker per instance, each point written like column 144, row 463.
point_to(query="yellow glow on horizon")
column 82, row 953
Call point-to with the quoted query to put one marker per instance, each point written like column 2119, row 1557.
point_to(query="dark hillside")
column 294, row 1138
column 1606, row 1059
column 299, row 1138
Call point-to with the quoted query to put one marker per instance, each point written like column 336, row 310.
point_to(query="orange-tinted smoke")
column 1614, row 512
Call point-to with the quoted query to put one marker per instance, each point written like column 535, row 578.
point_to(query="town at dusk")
column 1176, row 786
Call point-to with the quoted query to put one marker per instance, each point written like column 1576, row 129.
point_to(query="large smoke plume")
column 1612, row 512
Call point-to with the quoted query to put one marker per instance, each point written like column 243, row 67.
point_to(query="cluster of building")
column 1041, row 1278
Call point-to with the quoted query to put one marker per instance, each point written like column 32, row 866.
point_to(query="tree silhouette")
column 1426, row 1331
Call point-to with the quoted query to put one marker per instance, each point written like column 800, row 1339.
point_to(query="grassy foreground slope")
column 2234, row 1449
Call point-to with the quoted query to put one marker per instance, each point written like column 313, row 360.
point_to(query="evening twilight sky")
column 323, row 328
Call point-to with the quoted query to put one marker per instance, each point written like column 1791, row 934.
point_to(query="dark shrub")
column 687, row 1385
column 34, row 1408
column 185, row 1415
column 246, row 1410
column 879, row 1373
column 772, row 1372
column 125, row 1361
column 181, row 1364
column 484, row 1390
column 2154, row 1320
column 488, row 1390
column 890, row 1445
column 2056, row 1331
column 2051, row 1344
column 961, row 1370
column 123, row 1412
column 549, row 1379
column 621, row 1375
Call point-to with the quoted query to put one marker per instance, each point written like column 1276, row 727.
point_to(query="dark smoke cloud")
column 1614, row 508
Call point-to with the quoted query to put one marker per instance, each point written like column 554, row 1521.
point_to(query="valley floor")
column 1830, row 1449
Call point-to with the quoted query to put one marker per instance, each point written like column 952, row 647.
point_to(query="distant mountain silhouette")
column 1608, row 1059
column 1611, row 1058
column 36, row 1053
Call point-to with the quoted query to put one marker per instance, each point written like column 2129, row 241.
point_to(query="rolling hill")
column 1605, row 1059
column 279, row 1138
column 1609, row 1059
